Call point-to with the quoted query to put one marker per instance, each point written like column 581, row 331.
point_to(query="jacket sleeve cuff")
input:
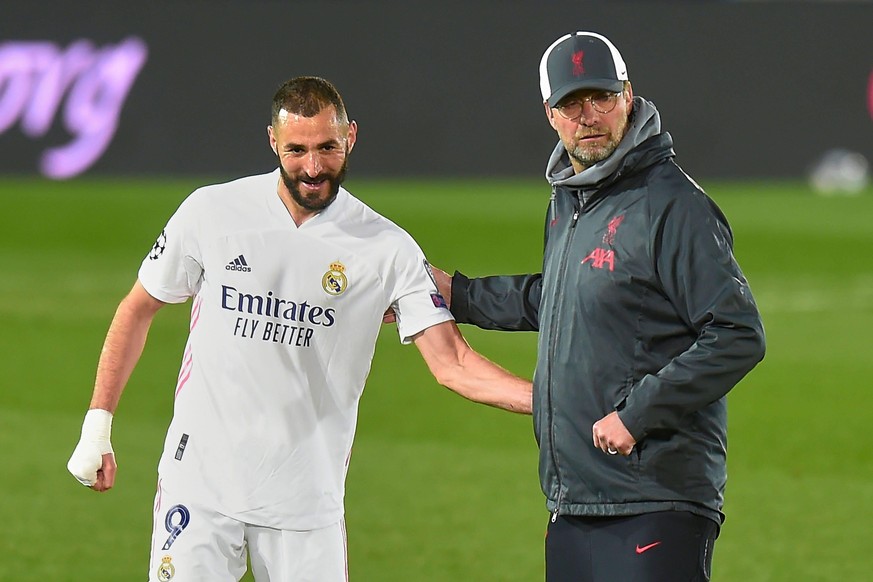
column 632, row 424
column 460, row 306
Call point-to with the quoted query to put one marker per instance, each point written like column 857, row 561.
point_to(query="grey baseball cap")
column 580, row 60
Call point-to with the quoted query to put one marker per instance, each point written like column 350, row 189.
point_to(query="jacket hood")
column 645, row 123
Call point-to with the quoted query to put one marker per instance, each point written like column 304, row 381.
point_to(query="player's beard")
column 590, row 154
column 314, row 202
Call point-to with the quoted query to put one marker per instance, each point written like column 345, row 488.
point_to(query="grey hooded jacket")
column 641, row 308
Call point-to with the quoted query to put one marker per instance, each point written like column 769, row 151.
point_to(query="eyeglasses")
column 602, row 102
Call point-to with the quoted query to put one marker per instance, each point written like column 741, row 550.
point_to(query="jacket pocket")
column 634, row 460
column 620, row 399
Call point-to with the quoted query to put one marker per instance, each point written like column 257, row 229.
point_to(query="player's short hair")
column 307, row 96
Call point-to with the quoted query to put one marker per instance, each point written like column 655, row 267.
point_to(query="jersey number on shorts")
column 176, row 528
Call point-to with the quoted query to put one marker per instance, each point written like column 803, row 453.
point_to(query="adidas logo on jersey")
column 239, row 264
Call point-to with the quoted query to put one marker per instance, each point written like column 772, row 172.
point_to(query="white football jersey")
column 284, row 322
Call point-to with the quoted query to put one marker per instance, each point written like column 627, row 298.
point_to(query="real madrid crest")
column 335, row 281
column 166, row 570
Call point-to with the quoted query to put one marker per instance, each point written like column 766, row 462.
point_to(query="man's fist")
column 88, row 457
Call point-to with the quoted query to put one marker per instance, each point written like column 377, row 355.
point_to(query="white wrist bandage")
column 87, row 458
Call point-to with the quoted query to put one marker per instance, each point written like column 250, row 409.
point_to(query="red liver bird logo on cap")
column 578, row 68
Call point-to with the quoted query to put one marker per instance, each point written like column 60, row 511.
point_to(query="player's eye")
column 571, row 110
column 602, row 98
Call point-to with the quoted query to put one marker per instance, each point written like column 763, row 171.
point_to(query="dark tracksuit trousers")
column 667, row 546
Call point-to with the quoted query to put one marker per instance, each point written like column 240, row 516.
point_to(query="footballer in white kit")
column 290, row 277
column 283, row 329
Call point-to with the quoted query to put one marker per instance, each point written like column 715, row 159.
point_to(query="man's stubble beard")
column 590, row 155
column 314, row 203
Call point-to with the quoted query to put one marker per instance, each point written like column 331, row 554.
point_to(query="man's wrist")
column 97, row 428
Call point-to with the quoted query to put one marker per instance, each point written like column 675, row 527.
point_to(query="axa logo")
column 601, row 259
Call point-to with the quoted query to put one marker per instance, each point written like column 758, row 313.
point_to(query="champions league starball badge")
column 335, row 281
column 159, row 246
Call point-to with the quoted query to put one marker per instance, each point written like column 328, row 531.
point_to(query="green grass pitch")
column 439, row 489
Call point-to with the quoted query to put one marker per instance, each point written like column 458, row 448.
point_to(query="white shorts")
column 191, row 543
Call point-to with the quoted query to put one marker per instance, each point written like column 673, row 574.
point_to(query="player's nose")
column 312, row 165
column 588, row 115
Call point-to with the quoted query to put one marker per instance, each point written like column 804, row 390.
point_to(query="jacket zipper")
column 555, row 331
column 553, row 213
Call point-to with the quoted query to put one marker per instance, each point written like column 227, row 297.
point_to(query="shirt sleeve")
column 173, row 269
column 417, row 303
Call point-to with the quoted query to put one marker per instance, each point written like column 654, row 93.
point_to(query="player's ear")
column 272, row 140
column 550, row 115
column 352, row 137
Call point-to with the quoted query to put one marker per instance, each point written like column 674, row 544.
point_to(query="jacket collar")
column 643, row 145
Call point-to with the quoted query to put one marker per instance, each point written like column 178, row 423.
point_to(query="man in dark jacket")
column 645, row 323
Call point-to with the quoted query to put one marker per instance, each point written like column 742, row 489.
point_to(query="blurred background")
column 110, row 116
column 748, row 89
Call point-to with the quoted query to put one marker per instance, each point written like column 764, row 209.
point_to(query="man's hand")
column 611, row 436
column 93, row 462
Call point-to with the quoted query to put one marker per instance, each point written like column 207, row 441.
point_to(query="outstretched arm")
column 93, row 461
column 459, row 368
column 507, row 303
